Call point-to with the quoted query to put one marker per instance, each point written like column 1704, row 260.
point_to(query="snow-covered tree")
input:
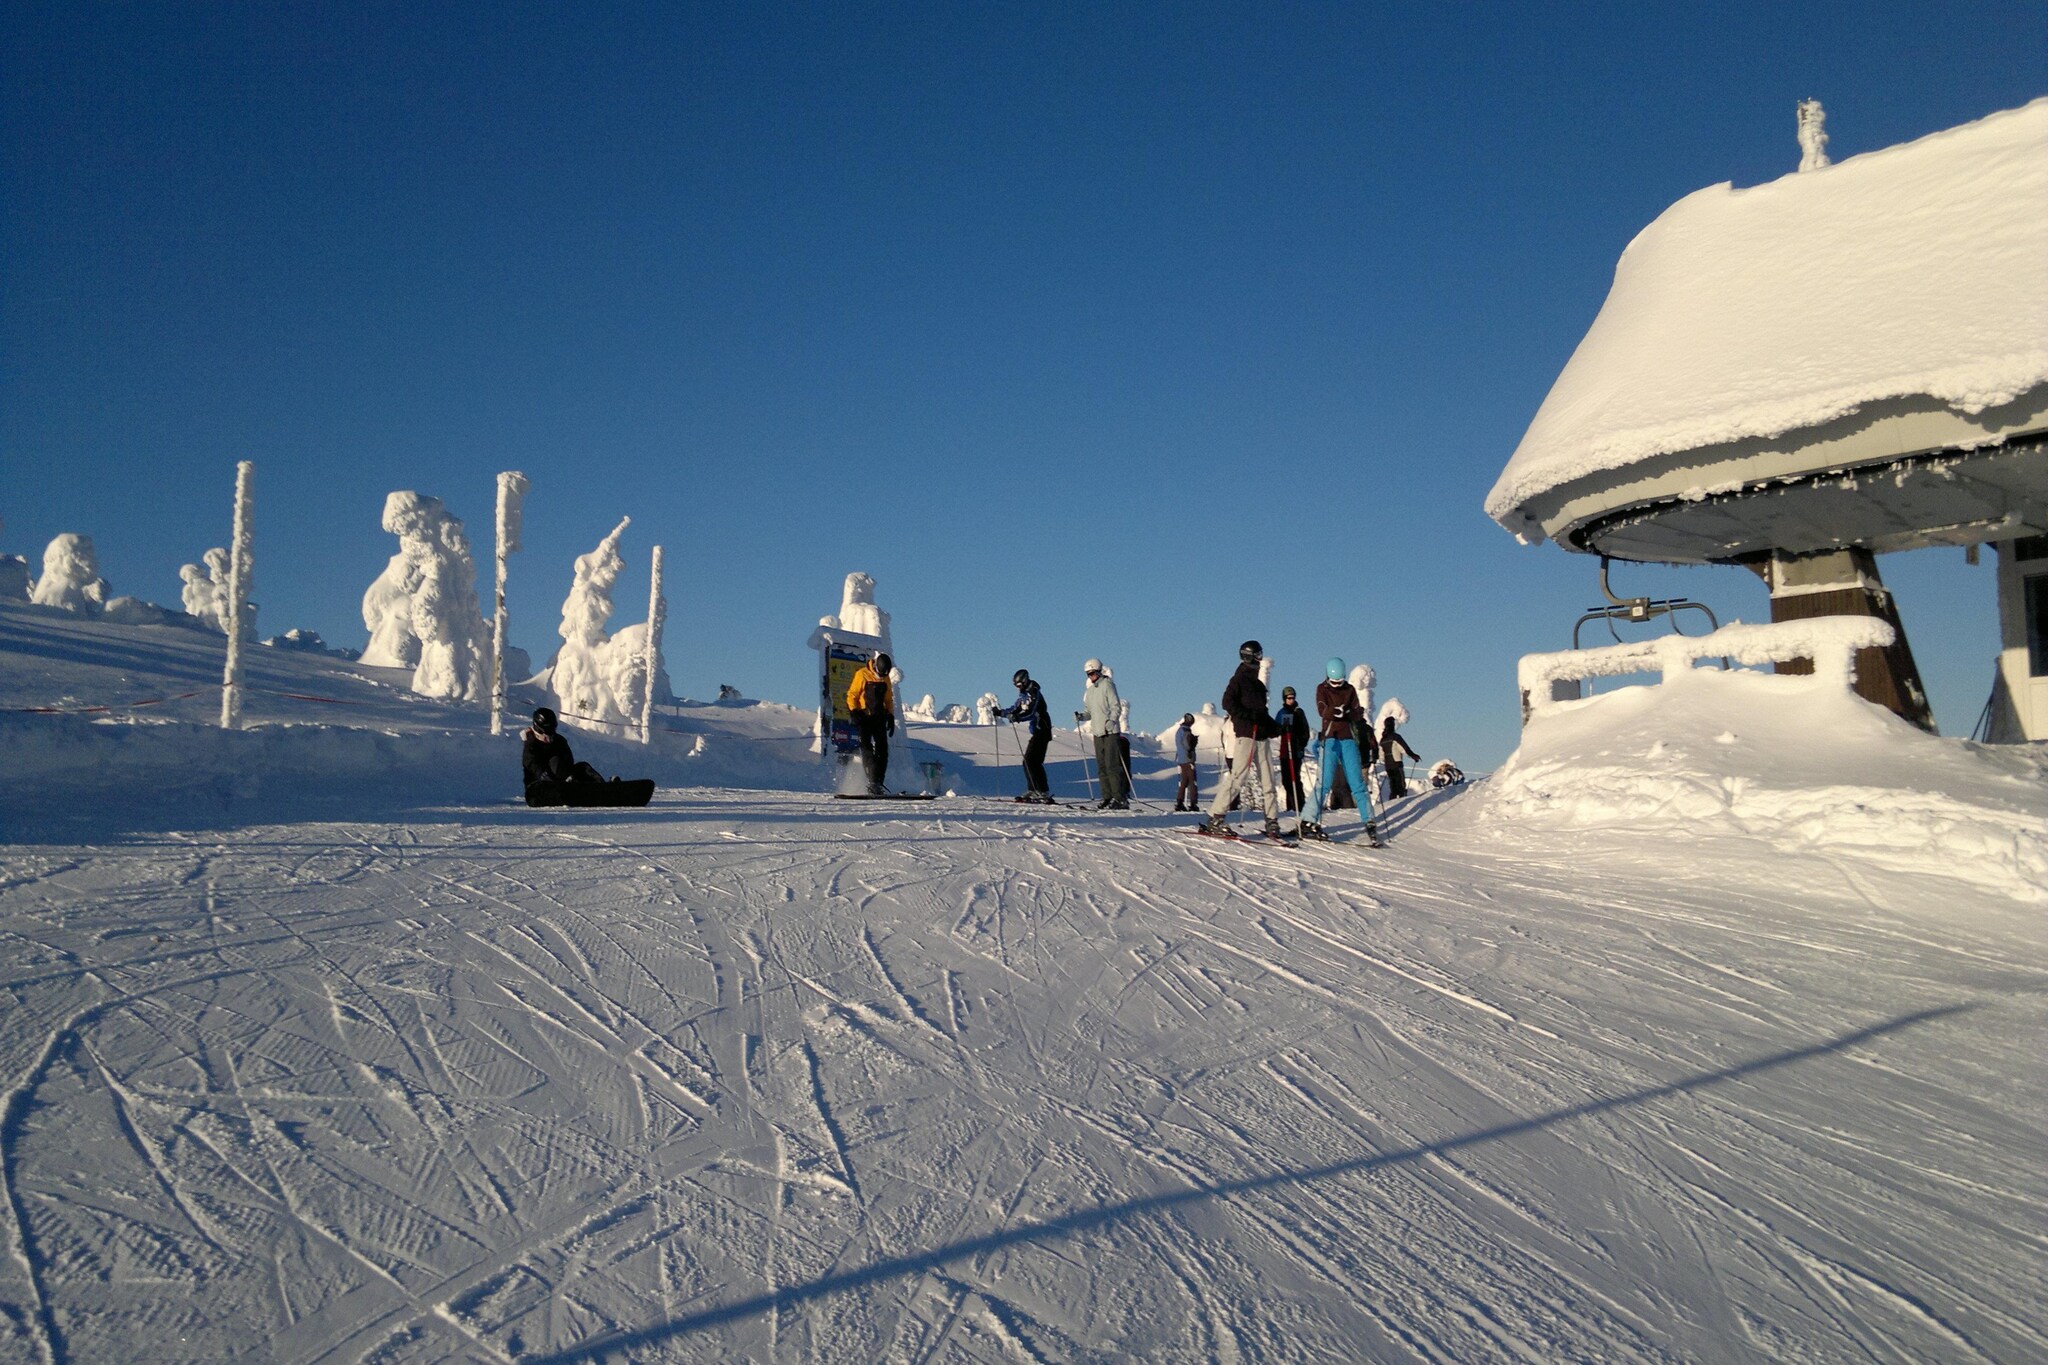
column 598, row 677
column 422, row 612
column 985, row 708
column 1813, row 136
column 1392, row 708
column 1361, row 679
column 71, row 577
column 858, row 612
column 924, row 708
column 206, row 592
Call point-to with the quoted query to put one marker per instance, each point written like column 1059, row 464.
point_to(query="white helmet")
column 1092, row 666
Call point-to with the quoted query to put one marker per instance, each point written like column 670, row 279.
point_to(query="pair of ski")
column 885, row 796
column 1282, row 841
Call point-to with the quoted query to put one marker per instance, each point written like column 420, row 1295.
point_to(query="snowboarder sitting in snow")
column 1029, row 710
column 873, row 708
column 545, row 756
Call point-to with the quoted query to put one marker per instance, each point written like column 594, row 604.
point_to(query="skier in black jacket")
column 1293, row 725
column 1244, row 701
column 1392, row 747
column 1029, row 709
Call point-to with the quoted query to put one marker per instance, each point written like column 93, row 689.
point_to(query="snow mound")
column 1805, row 771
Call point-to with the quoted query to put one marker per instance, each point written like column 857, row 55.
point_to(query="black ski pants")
column 874, row 749
column 1290, row 775
column 1034, row 763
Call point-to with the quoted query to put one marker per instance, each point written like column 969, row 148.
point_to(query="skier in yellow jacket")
column 873, row 707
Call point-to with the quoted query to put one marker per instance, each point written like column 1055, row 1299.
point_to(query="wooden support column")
column 1846, row 583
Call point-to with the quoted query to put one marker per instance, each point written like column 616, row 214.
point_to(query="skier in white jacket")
column 1103, row 711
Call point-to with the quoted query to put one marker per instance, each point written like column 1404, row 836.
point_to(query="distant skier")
column 1029, row 710
column 1393, row 749
column 1293, row 745
column 873, row 707
column 1103, row 711
column 545, row 756
column 1186, row 797
column 1346, row 731
column 1244, row 702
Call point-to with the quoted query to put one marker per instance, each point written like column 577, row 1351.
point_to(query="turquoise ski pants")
column 1329, row 753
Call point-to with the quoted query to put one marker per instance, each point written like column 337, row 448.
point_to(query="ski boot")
column 1274, row 833
column 1372, row 835
column 1217, row 826
column 1310, row 829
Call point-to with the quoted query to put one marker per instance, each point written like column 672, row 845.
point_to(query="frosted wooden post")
column 657, row 613
column 512, row 486
column 241, row 565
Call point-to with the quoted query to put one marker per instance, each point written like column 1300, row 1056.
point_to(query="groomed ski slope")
column 762, row 1077
column 1708, row 1029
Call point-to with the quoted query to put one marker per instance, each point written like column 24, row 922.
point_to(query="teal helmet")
column 1334, row 670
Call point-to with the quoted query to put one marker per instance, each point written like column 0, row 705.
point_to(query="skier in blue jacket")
column 1029, row 710
column 1186, row 796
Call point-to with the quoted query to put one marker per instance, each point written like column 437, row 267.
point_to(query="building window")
column 2030, row 547
column 2037, row 626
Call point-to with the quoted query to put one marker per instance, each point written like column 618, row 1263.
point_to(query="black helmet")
column 1250, row 652
column 544, row 721
column 1019, row 678
column 1188, row 719
column 883, row 663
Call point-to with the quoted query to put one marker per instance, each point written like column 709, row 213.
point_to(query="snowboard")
column 616, row 792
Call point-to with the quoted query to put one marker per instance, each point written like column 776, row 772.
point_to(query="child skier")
column 1029, row 709
column 1244, row 702
column 1293, row 746
column 1393, row 748
column 1345, row 730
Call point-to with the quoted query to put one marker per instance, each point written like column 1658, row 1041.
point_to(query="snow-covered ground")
column 1708, row 1029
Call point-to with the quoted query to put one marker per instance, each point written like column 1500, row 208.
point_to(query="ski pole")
column 1131, row 786
column 999, row 757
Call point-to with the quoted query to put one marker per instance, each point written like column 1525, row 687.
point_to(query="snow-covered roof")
column 1917, row 273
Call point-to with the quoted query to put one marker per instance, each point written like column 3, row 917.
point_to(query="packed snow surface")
column 1911, row 271
column 318, row 1046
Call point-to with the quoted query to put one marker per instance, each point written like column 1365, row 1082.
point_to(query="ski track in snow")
column 754, row 1077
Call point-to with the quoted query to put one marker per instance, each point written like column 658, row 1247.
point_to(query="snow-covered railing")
column 1830, row 642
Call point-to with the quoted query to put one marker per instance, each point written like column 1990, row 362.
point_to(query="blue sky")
column 1120, row 330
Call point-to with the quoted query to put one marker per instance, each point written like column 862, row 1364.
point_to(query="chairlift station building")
column 1799, row 376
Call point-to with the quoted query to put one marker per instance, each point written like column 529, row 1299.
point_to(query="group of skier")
column 1344, row 741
